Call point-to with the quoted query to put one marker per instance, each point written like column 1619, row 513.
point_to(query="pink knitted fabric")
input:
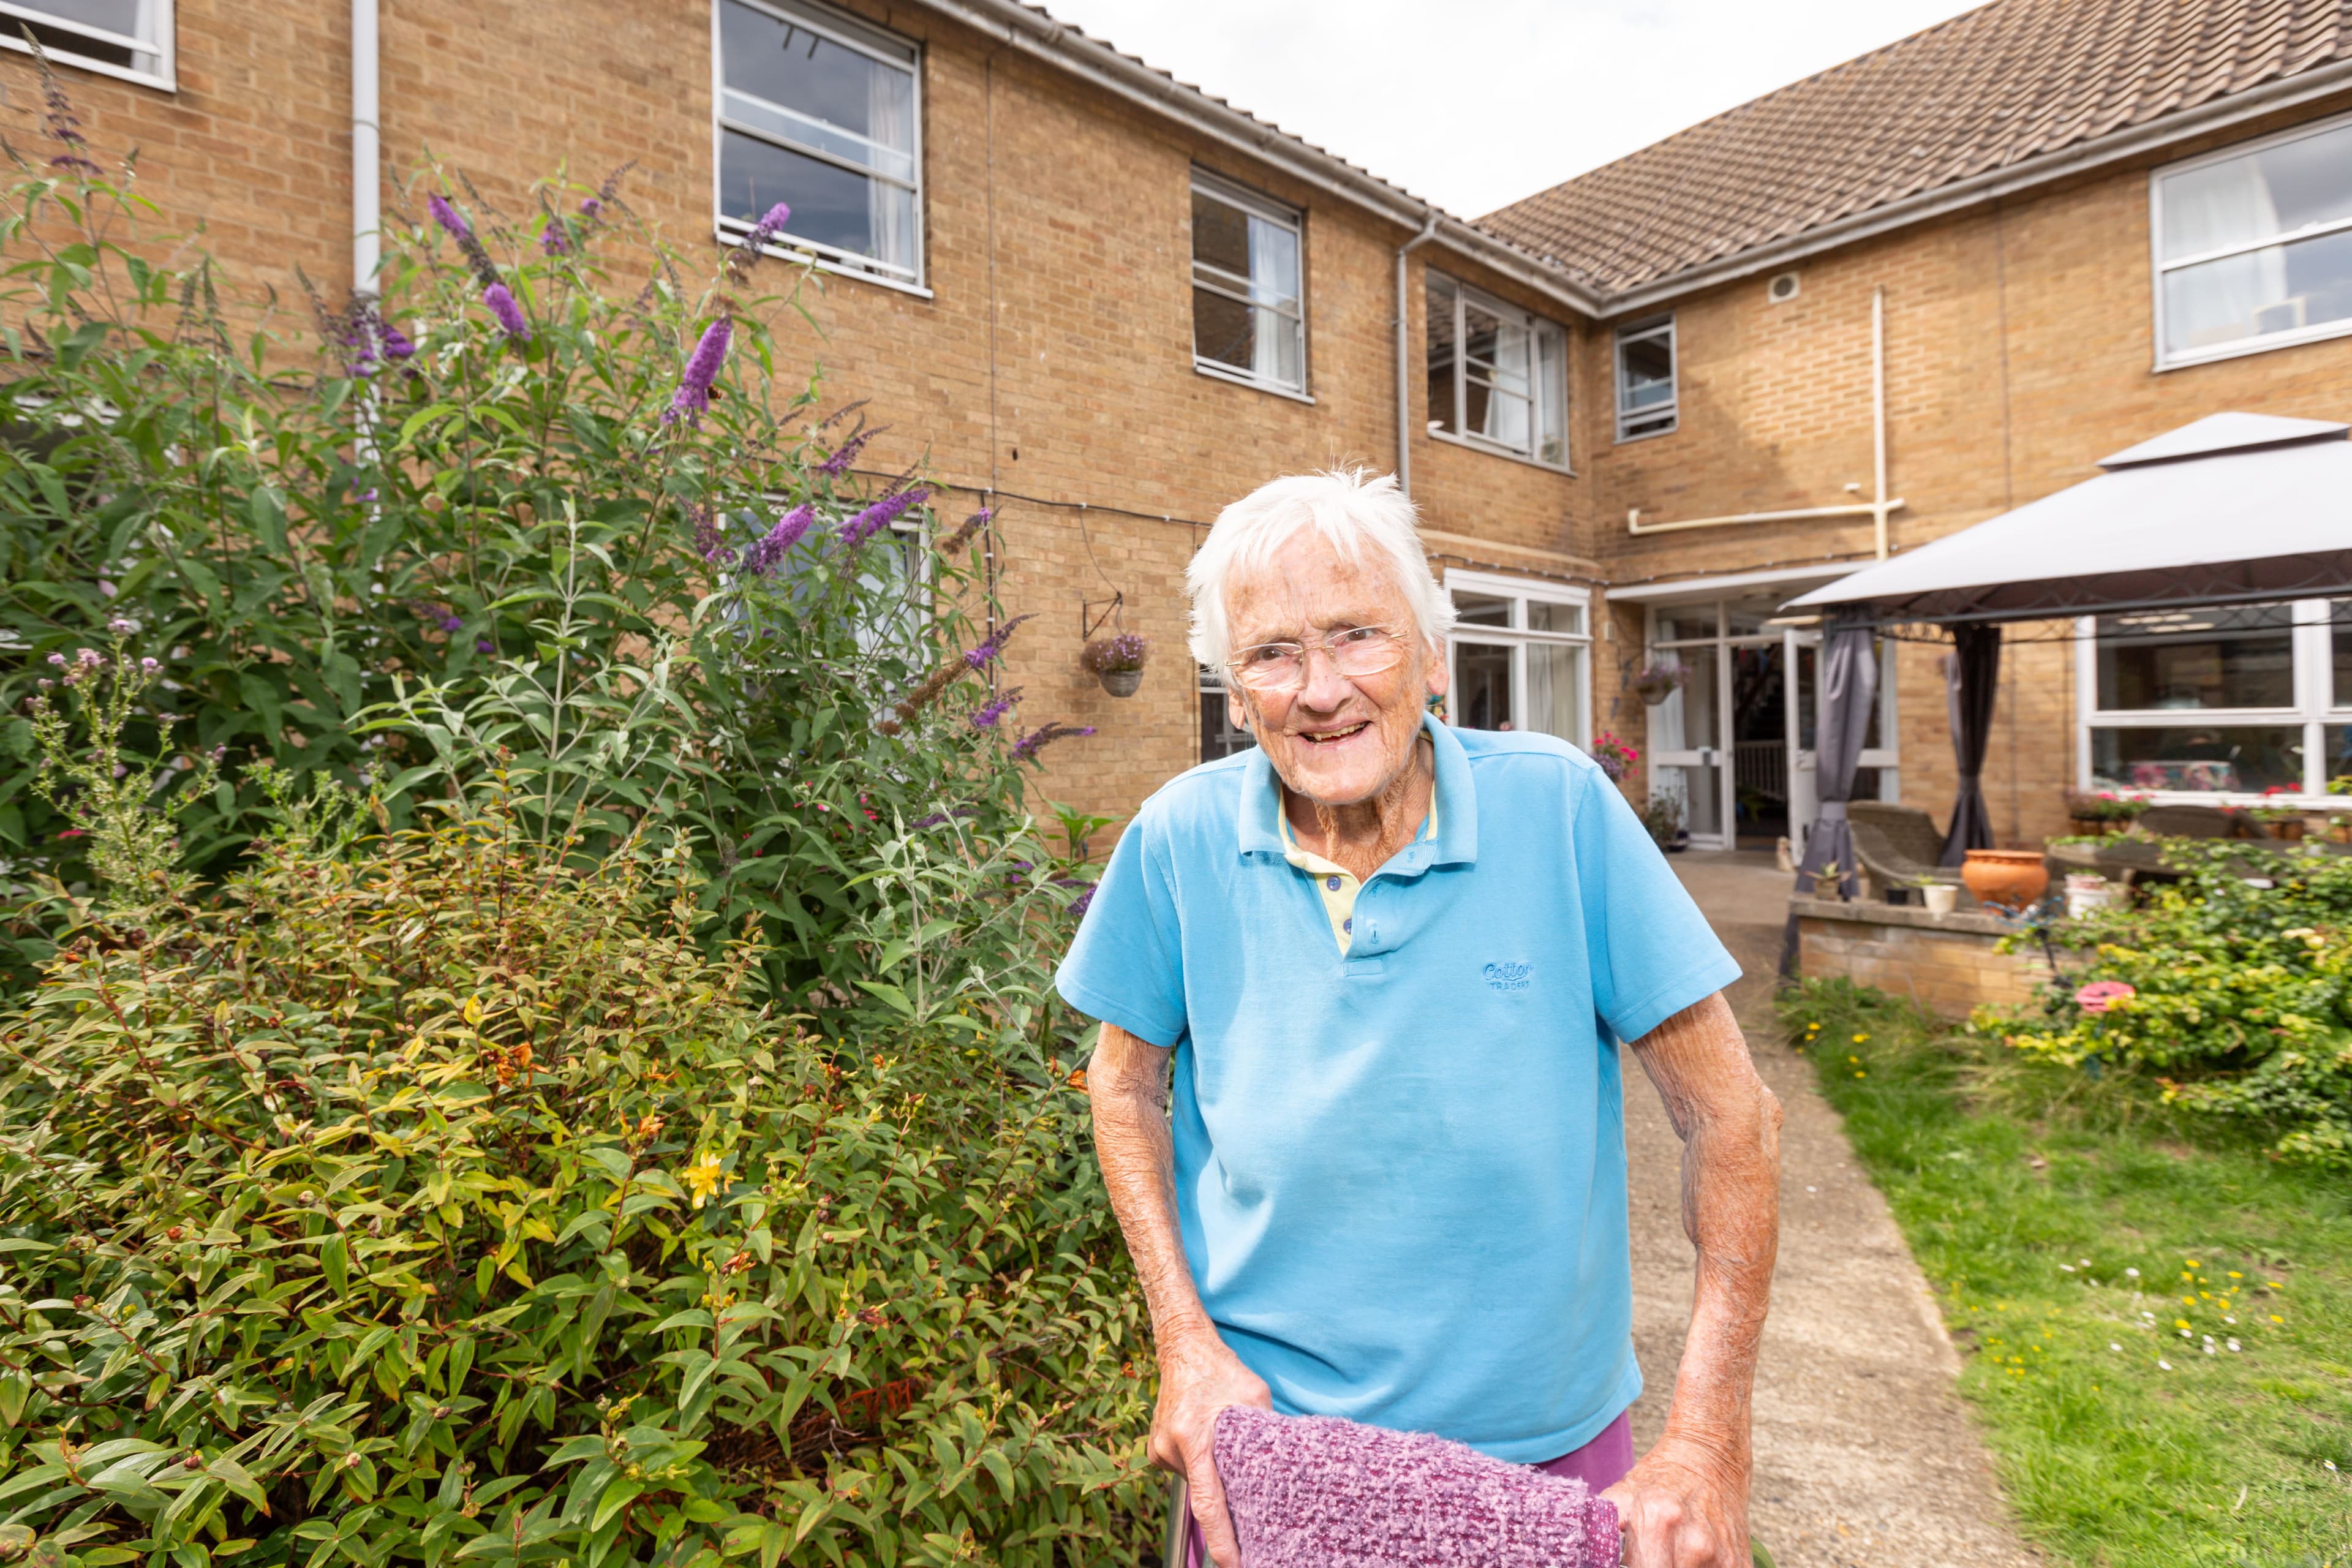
column 1315, row 1491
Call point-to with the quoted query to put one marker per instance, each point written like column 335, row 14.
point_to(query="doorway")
column 1760, row 744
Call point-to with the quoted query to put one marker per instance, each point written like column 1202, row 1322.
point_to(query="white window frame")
column 164, row 45
column 1212, row 688
column 861, row 38
column 2158, row 266
column 1540, row 330
column 1521, row 591
column 2314, row 711
column 1216, row 188
column 1671, row 410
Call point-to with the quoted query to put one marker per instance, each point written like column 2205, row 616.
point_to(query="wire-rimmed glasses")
column 1354, row 652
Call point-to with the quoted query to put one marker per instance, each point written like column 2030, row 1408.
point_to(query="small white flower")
column 2165, row 1364
column 2112, row 1346
column 2131, row 1273
column 2235, row 1345
column 2227, row 1319
column 2067, row 1268
column 2209, row 1348
column 2184, row 1333
column 2087, row 1263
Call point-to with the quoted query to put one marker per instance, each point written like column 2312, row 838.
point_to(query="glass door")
column 1686, row 743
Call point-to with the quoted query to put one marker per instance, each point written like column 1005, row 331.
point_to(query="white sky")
column 1475, row 103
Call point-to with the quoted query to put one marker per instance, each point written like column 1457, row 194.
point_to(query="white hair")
column 1354, row 510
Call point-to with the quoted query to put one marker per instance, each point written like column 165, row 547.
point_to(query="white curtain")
column 1556, row 690
column 2206, row 209
column 890, row 209
column 1506, row 402
column 1275, row 352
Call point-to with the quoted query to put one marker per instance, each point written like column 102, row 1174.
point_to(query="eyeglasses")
column 1282, row 666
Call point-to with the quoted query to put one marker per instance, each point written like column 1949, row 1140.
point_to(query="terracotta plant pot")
column 2010, row 878
column 2339, row 830
column 2290, row 829
column 1121, row 682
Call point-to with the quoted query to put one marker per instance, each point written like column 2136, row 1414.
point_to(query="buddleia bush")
column 2231, row 987
column 537, row 504
column 439, row 1198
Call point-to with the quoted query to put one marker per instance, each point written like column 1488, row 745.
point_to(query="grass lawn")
column 2155, row 1318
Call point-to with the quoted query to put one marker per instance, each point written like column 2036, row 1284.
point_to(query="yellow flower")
column 1859, row 1039
column 2179, row 1323
column 702, row 1179
column 2235, row 1275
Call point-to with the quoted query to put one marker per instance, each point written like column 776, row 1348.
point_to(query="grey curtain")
column 1848, row 689
column 1971, row 675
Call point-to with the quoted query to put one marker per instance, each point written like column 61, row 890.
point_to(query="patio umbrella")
column 2233, row 509
column 1849, row 690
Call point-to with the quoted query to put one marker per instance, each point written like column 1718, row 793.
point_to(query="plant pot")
column 2006, row 879
column 2339, row 830
column 2085, row 891
column 1121, row 682
column 2290, row 829
column 1828, row 884
column 2098, row 826
column 1941, row 897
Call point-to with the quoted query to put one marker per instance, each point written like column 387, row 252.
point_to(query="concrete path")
column 1864, row 1456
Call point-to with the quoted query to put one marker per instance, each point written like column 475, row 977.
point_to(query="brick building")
column 1114, row 303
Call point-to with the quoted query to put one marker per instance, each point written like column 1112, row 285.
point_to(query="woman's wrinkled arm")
column 1684, row 1505
column 1128, row 1083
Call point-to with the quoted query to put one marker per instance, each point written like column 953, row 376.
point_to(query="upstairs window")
column 2253, row 246
column 822, row 113
column 1249, row 323
column 127, row 38
column 1497, row 375
column 1645, row 380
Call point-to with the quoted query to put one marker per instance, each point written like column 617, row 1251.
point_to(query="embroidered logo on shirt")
column 1509, row 976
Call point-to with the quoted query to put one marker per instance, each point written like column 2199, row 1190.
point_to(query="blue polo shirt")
column 1401, row 1171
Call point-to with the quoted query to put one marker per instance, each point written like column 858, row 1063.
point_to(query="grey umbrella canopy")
column 2235, row 508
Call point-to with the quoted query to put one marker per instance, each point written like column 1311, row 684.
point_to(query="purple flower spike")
column 879, row 516
column 988, row 715
column 983, row 655
column 693, row 394
column 551, row 240
column 591, row 206
column 446, row 216
column 395, row 343
column 453, row 622
column 1026, row 748
column 482, row 645
column 510, row 314
column 836, row 465
column 773, row 545
column 1079, row 905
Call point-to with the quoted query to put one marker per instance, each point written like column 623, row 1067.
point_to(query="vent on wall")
column 1782, row 289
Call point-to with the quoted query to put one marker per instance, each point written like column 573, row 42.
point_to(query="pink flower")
column 2100, row 996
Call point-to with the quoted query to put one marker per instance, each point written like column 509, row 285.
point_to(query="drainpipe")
column 367, row 151
column 1404, row 379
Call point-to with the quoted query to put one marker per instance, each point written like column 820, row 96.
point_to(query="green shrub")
column 2240, row 998
column 449, row 1199
column 412, row 546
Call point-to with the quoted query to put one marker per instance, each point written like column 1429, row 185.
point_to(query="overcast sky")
column 1475, row 103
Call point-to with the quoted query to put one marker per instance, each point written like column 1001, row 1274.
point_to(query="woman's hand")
column 1199, row 1377
column 1683, row 1506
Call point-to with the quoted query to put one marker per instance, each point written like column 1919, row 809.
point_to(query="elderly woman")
column 1391, row 963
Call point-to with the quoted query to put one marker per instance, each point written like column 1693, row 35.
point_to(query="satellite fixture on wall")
column 1782, row 289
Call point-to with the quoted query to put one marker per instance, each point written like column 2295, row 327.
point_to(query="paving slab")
column 1866, row 1457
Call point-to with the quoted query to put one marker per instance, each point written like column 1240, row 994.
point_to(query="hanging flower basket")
column 1660, row 681
column 1118, row 662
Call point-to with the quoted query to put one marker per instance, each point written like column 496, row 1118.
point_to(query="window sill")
column 1215, row 371
column 2245, row 346
column 822, row 263
column 1467, row 444
column 165, row 82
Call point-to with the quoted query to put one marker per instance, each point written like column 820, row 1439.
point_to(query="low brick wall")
column 1946, row 963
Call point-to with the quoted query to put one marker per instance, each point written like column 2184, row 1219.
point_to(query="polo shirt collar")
column 1456, row 843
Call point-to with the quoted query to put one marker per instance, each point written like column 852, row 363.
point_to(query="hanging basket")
column 1660, row 681
column 1121, row 682
column 1117, row 661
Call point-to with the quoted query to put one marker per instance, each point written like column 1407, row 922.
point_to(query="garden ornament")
column 1384, row 965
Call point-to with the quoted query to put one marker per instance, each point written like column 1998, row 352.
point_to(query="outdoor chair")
column 1899, row 846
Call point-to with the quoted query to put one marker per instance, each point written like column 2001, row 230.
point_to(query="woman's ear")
column 1440, row 675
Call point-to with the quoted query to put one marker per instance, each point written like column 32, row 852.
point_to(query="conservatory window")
column 126, row 38
column 822, row 113
column 2217, row 702
column 1522, row 656
column 1249, row 320
column 1497, row 375
column 2254, row 246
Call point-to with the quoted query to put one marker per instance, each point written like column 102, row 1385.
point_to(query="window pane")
column 1646, row 372
column 1236, row 252
column 1556, row 690
column 1746, row 617
column 2337, row 765
column 114, row 16
column 1685, row 721
column 2235, row 758
column 2280, row 289
column 1223, row 330
column 1498, row 391
column 1440, row 295
column 831, row 205
column 1482, row 686
column 2276, row 191
column 1481, row 609
column 1546, row 616
column 1219, row 737
column 2197, row 658
column 815, row 134
column 1221, row 235
column 2340, row 635
column 1551, row 395
column 806, row 72
column 1694, row 793
column 1684, row 621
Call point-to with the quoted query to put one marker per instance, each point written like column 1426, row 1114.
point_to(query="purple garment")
column 1319, row 1492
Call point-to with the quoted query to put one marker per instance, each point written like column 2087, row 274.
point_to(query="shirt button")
column 1332, row 883
column 1349, row 925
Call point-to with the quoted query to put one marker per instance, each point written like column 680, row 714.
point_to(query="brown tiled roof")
column 1999, row 85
